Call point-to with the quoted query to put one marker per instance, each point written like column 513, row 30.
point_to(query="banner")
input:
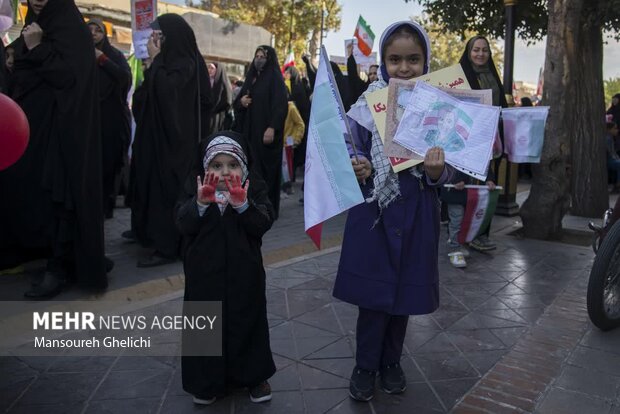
column 524, row 133
column 364, row 35
column 143, row 13
column 480, row 208
column 330, row 186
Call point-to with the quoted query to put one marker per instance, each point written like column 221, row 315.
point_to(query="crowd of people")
column 206, row 177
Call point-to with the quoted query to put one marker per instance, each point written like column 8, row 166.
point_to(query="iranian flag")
column 290, row 60
column 365, row 36
column 481, row 203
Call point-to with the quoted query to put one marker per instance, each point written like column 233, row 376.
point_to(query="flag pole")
column 348, row 136
column 497, row 187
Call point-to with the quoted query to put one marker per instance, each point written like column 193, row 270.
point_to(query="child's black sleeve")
column 258, row 217
column 187, row 219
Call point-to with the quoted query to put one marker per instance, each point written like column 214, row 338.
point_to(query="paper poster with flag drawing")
column 524, row 133
column 330, row 186
column 365, row 37
column 466, row 131
column 480, row 208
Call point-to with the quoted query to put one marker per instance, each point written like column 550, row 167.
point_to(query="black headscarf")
column 179, row 50
column 299, row 94
column 221, row 90
column 472, row 75
column 116, row 56
column 271, row 65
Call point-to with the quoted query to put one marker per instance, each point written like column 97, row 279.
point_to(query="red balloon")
column 14, row 132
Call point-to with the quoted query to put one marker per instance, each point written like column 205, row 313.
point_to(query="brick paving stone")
column 524, row 404
column 491, row 406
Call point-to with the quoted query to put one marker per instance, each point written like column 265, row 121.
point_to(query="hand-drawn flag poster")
column 524, row 133
column 330, row 185
column 466, row 131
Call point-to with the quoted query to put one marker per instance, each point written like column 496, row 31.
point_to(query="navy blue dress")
column 392, row 267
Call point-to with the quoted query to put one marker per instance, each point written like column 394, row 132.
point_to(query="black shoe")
column 393, row 379
column 50, row 286
column 109, row 264
column 129, row 235
column 156, row 259
column 260, row 393
column 362, row 384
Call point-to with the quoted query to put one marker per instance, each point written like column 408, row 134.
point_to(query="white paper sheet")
column 465, row 131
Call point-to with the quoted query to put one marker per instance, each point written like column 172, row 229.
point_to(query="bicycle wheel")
column 604, row 284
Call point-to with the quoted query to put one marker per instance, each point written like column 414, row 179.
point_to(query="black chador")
column 265, row 86
column 52, row 196
column 221, row 100
column 114, row 83
column 223, row 262
column 169, row 110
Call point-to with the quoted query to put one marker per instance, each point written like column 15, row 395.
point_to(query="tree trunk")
column 589, row 166
column 315, row 43
column 549, row 197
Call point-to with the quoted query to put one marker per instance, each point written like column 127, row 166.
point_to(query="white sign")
column 143, row 13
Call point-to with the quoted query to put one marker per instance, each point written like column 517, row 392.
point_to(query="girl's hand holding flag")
column 361, row 167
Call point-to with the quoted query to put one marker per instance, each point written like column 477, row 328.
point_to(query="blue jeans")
column 455, row 215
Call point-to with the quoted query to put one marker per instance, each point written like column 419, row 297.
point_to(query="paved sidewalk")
column 511, row 335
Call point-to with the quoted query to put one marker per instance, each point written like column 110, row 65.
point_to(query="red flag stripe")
column 470, row 210
column 314, row 233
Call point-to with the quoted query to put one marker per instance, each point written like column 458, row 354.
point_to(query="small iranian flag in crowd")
column 289, row 61
column 481, row 203
column 365, row 36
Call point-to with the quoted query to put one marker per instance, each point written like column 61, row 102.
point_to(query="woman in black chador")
column 114, row 84
column 221, row 97
column 261, row 111
column 169, row 112
column 51, row 198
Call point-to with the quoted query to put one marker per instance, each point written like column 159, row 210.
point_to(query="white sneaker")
column 204, row 402
column 457, row 259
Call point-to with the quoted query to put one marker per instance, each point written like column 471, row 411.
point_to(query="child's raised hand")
column 237, row 194
column 434, row 163
column 205, row 191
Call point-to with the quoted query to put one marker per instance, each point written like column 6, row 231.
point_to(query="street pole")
column 508, row 173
